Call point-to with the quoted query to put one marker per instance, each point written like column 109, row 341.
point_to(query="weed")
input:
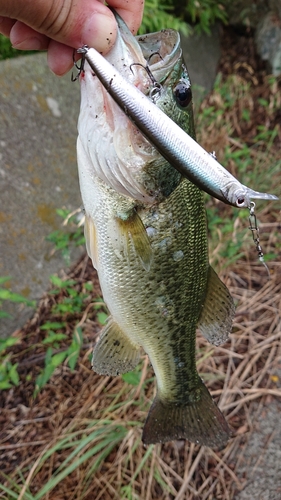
column 91, row 444
column 70, row 303
column 72, row 299
column 53, row 360
column 71, row 235
column 183, row 16
column 132, row 377
column 8, row 370
column 53, row 338
column 8, row 295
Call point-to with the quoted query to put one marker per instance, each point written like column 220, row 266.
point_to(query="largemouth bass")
column 146, row 233
column 179, row 148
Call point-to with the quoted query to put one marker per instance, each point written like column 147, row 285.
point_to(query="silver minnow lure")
column 177, row 147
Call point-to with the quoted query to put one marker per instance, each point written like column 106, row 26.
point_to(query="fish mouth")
column 118, row 152
column 159, row 51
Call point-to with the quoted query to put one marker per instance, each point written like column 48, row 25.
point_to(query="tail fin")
column 200, row 422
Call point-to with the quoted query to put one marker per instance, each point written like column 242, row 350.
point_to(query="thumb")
column 71, row 23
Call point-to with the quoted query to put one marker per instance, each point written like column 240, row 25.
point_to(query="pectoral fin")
column 216, row 318
column 91, row 240
column 114, row 352
column 131, row 228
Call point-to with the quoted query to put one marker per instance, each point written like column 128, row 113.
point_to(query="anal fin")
column 131, row 228
column 199, row 421
column 216, row 318
column 114, row 352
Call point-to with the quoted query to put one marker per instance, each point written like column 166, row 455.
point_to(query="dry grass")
column 81, row 437
column 83, row 413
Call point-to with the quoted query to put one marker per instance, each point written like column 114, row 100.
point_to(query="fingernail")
column 29, row 44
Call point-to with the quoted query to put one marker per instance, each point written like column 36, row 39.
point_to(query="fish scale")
column 151, row 251
column 129, row 291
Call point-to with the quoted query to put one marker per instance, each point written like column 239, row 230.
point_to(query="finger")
column 25, row 38
column 131, row 12
column 75, row 23
column 60, row 58
column 6, row 25
column 71, row 23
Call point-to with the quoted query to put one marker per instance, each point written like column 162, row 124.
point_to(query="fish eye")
column 183, row 94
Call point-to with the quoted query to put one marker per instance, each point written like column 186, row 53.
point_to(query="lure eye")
column 183, row 94
column 240, row 202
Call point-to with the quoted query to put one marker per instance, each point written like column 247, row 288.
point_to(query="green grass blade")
column 106, row 445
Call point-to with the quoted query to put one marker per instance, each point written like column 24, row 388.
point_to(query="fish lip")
column 124, row 39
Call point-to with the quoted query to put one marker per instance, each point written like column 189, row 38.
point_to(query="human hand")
column 59, row 26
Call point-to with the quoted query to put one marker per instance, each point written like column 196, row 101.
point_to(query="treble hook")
column 146, row 68
column 156, row 89
column 156, row 86
column 79, row 67
column 154, row 54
